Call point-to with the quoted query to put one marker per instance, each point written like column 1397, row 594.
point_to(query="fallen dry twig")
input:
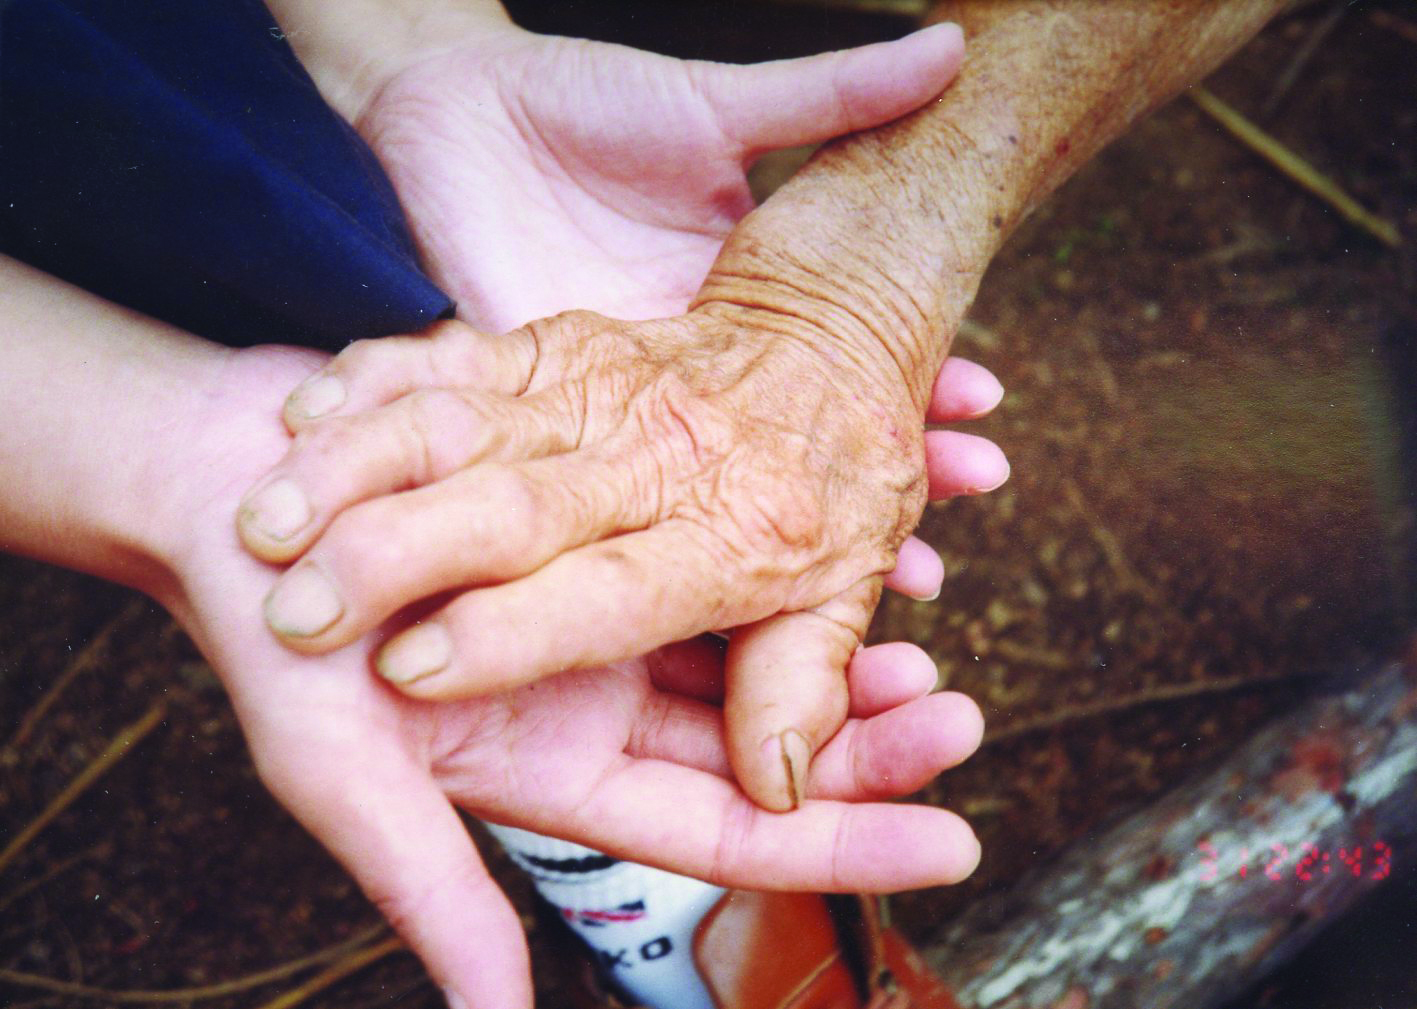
column 116, row 750
column 87, row 658
column 1302, row 56
column 336, row 972
column 219, row 990
column 1111, row 548
column 1296, row 168
column 1155, row 695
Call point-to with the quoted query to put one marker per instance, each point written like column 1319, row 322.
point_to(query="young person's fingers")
column 918, row 571
column 804, row 101
column 487, row 524
column 718, row 835
column 959, row 464
column 885, row 756
column 885, row 676
column 449, row 354
column 396, row 833
column 413, row 441
column 897, row 752
column 963, row 390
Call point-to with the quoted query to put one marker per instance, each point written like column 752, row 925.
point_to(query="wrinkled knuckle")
column 425, row 413
column 914, row 495
column 568, row 330
column 900, row 489
column 846, row 623
column 567, row 415
column 735, row 827
column 541, row 512
column 443, row 428
column 450, row 356
column 580, row 321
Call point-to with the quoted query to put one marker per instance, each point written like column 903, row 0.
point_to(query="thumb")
column 802, row 101
column 401, row 839
column 786, row 692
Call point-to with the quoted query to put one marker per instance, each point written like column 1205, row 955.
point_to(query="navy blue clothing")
column 173, row 156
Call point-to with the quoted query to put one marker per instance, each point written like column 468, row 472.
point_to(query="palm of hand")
column 596, row 756
column 610, row 184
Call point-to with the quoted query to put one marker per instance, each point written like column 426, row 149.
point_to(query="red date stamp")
column 1303, row 864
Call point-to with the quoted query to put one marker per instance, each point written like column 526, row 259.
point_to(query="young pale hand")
column 613, row 487
column 542, row 174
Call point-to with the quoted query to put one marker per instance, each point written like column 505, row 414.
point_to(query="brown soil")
column 1205, row 509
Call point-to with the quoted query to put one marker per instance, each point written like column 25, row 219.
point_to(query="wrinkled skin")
column 649, row 482
column 761, row 468
column 719, row 459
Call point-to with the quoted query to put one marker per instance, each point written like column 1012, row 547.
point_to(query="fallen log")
column 1191, row 900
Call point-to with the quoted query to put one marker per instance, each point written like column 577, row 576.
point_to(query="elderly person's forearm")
column 882, row 239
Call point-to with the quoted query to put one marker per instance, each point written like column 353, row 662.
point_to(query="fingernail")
column 976, row 856
column 416, row 653
column 303, row 603
column 454, row 1000
column 995, row 397
column 317, row 397
column 796, row 758
column 945, row 28
column 992, row 487
column 931, row 597
column 278, row 511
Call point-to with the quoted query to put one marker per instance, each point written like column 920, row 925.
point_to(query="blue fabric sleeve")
column 173, row 156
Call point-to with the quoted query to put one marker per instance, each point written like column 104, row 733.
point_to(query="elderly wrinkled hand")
column 592, row 489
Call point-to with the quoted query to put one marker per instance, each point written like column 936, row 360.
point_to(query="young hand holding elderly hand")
column 377, row 776
column 755, row 461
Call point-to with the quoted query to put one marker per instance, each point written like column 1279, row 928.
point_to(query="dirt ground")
column 1208, row 508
